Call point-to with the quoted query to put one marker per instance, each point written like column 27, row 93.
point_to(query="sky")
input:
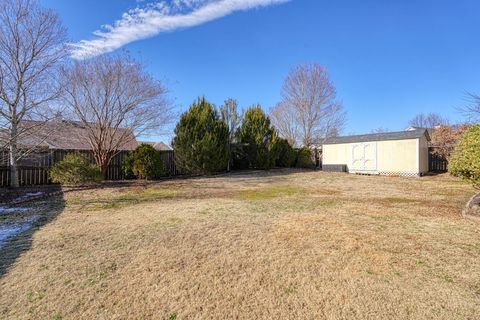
column 389, row 60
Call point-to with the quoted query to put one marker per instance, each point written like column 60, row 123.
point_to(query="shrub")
column 127, row 166
column 75, row 169
column 465, row 159
column 147, row 162
column 239, row 157
column 304, row 158
column 257, row 135
column 201, row 140
column 284, row 153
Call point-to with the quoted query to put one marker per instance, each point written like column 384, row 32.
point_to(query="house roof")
column 65, row 135
column 401, row 135
column 160, row 146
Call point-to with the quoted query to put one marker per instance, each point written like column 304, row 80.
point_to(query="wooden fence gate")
column 437, row 163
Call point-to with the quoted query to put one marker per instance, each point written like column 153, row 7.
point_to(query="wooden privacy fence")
column 34, row 169
column 436, row 163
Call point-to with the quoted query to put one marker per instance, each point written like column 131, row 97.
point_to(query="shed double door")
column 364, row 157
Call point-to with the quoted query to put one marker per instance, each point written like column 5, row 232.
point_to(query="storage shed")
column 402, row 153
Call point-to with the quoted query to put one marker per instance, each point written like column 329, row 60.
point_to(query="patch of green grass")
column 448, row 279
column 125, row 199
column 43, row 267
column 56, row 317
column 33, row 295
column 171, row 316
column 111, row 205
column 289, row 290
column 30, row 296
column 269, row 193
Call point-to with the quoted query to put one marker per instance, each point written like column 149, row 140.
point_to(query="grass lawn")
column 278, row 245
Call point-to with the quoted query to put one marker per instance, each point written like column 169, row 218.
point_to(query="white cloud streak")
column 159, row 17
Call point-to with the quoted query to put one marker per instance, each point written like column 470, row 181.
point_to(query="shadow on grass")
column 21, row 227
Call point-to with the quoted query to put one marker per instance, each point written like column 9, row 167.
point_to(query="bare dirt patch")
column 278, row 245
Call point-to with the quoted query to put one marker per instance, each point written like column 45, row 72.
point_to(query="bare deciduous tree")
column 429, row 120
column 380, row 130
column 231, row 116
column 286, row 122
column 31, row 49
column 309, row 100
column 444, row 138
column 113, row 98
column 472, row 110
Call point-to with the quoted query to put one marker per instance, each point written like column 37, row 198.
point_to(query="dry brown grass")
column 280, row 245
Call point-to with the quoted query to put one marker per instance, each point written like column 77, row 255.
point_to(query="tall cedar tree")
column 201, row 140
column 258, row 136
column 284, row 153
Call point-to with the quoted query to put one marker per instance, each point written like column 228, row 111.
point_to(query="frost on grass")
column 11, row 229
column 7, row 210
column 29, row 195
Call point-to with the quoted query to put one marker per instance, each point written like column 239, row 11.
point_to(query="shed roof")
column 401, row 135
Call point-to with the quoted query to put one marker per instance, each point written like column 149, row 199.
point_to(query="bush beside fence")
column 34, row 170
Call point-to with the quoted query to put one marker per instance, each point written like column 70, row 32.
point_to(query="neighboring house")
column 402, row 153
column 68, row 135
column 160, row 146
column 43, row 144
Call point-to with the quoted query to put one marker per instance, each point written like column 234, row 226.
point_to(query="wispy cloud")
column 157, row 17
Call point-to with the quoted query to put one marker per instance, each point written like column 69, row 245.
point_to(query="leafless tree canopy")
column 429, row 120
column 114, row 97
column 380, row 130
column 445, row 137
column 285, row 120
column 472, row 110
column 31, row 49
column 232, row 117
column 309, row 111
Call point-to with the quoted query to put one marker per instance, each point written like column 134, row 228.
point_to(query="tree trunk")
column 14, row 183
column 104, row 168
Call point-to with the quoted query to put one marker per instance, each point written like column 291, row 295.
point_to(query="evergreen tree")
column 465, row 159
column 284, row 153
column 201, row 140
column 145, row 162
column 258, row 136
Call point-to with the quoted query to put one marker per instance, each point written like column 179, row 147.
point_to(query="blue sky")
column 389, row 60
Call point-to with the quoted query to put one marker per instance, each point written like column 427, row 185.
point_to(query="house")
column 41, row 144
column 70, row 135
column 159, row 146
column 403, row 153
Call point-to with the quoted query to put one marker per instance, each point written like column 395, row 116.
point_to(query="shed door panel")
column 364, row 156
column 357, row 156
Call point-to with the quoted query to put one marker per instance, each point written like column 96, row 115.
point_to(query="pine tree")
column 258, row 136
column 201, row 140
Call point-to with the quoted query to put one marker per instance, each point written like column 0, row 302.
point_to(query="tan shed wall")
column 337, row 154
column 393, row 156
column 397, row 156
column 423, row 156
